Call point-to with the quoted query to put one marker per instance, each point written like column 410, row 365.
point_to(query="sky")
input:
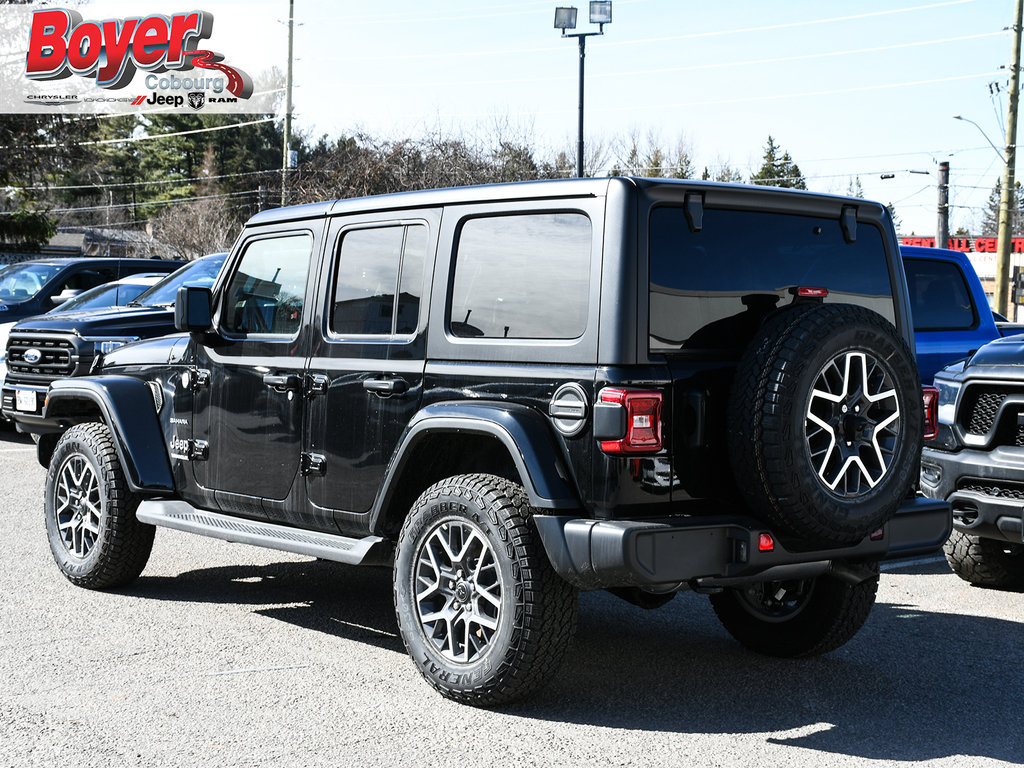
column 850, row 90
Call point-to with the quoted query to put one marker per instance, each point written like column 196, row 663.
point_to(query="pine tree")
column 778, row 170
column 990, row 215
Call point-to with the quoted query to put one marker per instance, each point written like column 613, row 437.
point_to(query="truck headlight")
column 949, row 390
column 103, row 345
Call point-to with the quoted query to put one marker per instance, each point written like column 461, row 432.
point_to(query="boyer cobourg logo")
column 111, row 52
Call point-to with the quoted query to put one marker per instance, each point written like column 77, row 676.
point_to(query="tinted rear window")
column 711, row 289
column 939, row 297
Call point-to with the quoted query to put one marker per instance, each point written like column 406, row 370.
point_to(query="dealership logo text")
column 61, row 44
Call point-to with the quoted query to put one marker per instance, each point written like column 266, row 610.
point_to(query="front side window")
column 267, row 291
column 522, row 277
column 375, row 266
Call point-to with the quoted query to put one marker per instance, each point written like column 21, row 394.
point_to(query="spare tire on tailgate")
column 825, row 422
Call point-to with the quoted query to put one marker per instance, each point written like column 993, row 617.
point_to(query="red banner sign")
column 965, row 244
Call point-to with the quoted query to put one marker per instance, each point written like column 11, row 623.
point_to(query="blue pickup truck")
column 951, row 313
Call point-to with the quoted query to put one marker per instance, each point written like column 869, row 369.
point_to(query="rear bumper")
column 718, row 551
column 985, row 489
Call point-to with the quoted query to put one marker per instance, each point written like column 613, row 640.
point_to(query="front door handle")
column 282, row 382
column 386, row 386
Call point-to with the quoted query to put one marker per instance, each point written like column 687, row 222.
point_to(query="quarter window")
column 267, row 291
column 522, row 277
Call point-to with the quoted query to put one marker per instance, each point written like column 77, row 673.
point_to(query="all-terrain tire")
column 796, row 618
column 825, row 422
column 94, row 536
column 985, row 562
column 482, row 613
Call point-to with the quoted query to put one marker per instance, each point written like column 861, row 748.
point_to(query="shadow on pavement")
column 910, row 686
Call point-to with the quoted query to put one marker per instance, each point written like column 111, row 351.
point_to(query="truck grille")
column 58, row 357
column 979, row 408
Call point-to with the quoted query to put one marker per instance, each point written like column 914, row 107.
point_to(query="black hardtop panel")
column 429, row 198
column 714, row 193
column 768, row 199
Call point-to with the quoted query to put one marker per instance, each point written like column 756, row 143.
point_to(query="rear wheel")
column 94, row 536
column 481, row 612
column 985, row 562
column 794, row 618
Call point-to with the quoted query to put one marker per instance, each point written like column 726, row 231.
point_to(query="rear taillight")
column 642, row 422
column 931, row 412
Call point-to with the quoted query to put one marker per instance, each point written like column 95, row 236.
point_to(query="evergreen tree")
column 990, row 215
column 897, row 223
column 778, row 169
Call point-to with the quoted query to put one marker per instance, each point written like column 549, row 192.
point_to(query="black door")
column 366, row 366
column 248, row 404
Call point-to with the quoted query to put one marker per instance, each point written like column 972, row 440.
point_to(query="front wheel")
column 95, row 538
column 480, row 610
column 985, row 562
column 795, row 618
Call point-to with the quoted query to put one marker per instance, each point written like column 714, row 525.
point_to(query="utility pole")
column 1006, row 192
column 286, row 152
column 942, row 230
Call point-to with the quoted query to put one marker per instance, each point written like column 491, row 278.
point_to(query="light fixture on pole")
column 565, row 18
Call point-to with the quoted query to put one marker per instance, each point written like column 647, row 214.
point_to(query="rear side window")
column 525, row 276
column 711, row 289
column 380, row 281
column 939, row 297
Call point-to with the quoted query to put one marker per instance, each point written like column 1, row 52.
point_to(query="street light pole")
column 565, row 18
column 579, row 139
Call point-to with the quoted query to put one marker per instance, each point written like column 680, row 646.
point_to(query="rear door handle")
column 282, row 382
column 386, row 386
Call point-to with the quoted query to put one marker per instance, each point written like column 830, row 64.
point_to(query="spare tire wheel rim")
column 853, row 423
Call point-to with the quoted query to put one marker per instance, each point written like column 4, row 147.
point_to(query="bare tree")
column 196, row 228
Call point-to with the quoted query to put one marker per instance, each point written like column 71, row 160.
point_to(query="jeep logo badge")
column 32, row 356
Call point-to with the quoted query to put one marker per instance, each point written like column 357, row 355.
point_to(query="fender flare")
column 526, row 435
column 128, row 410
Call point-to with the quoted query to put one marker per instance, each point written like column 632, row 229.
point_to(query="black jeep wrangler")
column 509, row 393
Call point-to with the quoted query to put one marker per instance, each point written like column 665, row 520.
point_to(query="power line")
column 174, row 201
column 647, row 41
column 100, row 185
column 145, row 137
column 692, row 68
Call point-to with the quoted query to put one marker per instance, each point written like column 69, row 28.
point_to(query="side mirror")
column 66, row 295
column 192, row 309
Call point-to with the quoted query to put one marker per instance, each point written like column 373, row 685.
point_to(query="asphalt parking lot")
column 226, row 655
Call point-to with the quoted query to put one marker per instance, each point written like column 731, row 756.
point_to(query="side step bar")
column 182, row 516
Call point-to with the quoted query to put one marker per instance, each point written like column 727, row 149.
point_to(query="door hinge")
column 198, row 450
column 316, row 384
column 313, row 464
column 195, row 378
